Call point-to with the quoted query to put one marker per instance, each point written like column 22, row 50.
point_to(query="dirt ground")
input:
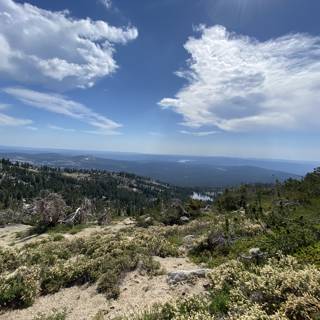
column 137, row 292
column 8, row 234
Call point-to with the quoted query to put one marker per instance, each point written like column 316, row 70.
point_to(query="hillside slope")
column 185, row 173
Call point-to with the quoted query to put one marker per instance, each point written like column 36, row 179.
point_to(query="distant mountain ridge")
column 177, row 170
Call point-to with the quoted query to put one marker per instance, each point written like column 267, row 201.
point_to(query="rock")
column 184, row 219
column 188, row 239
column 176, row 277
column 189, row 242
column 216, row 241
column 255, row 256
column 147, row 219
column 257, row 297
column 255, row 251
column 128, row 221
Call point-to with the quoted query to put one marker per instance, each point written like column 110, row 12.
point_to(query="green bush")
column 19, row 289
column 310, row 254
column 218, row 302
column 102, row 258
column 108, row 284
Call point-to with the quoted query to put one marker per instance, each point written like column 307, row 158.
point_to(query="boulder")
column 179, row 276
column 255, row 251
column 189, row 239
column 128, row 221
column 147, row 219
column 184, row 219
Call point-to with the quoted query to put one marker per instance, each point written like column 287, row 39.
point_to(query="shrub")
column 281, row 289
column 19, row 289
column 102, row 258
column 271, row 286
column 109, row 284
column 305, row 307
column 219, row 301
column 55, row 315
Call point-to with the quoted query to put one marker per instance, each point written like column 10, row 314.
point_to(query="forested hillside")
column 122, row 193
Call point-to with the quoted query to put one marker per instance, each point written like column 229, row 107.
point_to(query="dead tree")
column 81, row 215
column 51, row 209
column 105, row 218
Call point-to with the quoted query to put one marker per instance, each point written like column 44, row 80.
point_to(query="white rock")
column 175, row 277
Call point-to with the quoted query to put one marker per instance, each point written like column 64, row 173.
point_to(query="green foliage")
column 54, row 315
column 102, row 258
column 108, row 283
column 19, row 289
column 280, row 289
column 289, row 239
column 23, row 183
column 309, row 254
column 218, row 302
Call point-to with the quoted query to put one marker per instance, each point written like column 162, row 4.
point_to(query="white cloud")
column 198, row 133
column 106, row 3
column 4, row 106
column 54, row 48
column 236, row 83
column 156, row 134
column 103, row 133
column 59, row 104
column 32, row 128
column 6, row 120
column 58, row 128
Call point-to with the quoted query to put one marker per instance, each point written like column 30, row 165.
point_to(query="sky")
column 207, row 77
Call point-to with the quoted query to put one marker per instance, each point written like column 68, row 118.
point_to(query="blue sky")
column 207, row 77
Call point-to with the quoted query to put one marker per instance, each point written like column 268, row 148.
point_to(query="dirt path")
column 137, row 292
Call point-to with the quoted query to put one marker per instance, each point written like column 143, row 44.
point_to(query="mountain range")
column 187, row 171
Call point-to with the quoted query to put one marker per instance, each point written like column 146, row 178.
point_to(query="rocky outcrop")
column 181, row 276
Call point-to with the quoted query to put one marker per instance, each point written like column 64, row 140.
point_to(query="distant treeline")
column 21, row 183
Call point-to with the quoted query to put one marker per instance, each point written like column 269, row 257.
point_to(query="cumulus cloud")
column 236, row 83
column 55, row 49
column 61, row 105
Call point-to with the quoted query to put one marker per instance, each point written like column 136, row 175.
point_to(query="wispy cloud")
column 156, row 134
column 198, row 133
column 106, row 3
column 236, row 83
column 6, row 120
column 103, row 133
column 53, row 48
column 32, row 128
column 58, row 128
column 4, row 106
column 61, row 105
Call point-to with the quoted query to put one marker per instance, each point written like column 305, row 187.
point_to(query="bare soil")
column 138, row 292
